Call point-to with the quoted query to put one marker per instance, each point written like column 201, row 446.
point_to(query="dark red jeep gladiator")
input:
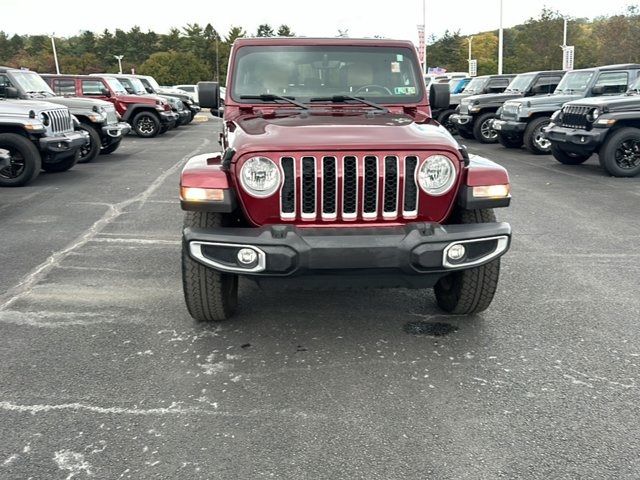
column 148, row 115
column 333, row 174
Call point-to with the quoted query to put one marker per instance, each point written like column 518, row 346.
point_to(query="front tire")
column 25, row 161
column 534, row 138
column 482, row 129
column 510, row 141
column 112, row 147
column 90, row 152
column 63, row 165
column 568, row 158
column 620, row 154
column 211, row 296
column 467, row 292
column 146, row 124
column 444, row 119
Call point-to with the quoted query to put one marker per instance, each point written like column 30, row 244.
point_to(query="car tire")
column 482, row 130
column 91, row 151
column 211, row 296
column 63, row 165
column 112, row 147
column 471, row 291
column 467, row 135
column 510, row 141
column 146, row 124
column 25, row 157
column 534, row 139
column 568, row 158
column 444, row 120
column 620, row 153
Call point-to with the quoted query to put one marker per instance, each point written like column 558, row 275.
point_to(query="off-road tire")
column 467, row 292
column 443, row 119
column 568, row 158
column 93, row 150
column 478, row 126
column 112, row 147
column 530, row 134
column 210, row 296
column 610, row 154
column 30, row 154
column 62, row 165
column 152, row 124
column 510, row 141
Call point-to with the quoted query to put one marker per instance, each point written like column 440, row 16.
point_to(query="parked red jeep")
column 148, row 115
column 332, row 173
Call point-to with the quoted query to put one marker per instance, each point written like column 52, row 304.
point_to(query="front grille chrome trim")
column 288, row 215
column 370, row 215
column 334, row 214
column 391, row 214
column 411, row 177
column 354, row 215
column 308, row 215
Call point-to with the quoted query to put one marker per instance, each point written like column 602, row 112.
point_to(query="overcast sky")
column 389, row 18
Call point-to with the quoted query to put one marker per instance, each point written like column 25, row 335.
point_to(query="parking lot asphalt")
column 105, row 375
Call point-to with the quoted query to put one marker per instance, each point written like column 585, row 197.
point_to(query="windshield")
column 476, row 85
column 379, row 74
column 115, row 85
column 152, row 82
column 574, row 82
column 521, row 82
column 134, row 85
column 31, row 82
column 635, row 86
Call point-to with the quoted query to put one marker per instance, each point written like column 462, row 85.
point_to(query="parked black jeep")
column 608, row 126
column 522, row 121
column 476, row 113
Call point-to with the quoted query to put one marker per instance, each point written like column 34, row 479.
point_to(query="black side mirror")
column 209, row 95
column 12, row 92
column 597, row 90
column 439, row 96
column 105, row 92
column 149, row 89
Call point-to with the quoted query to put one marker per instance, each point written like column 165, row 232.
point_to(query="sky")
column 389, row 18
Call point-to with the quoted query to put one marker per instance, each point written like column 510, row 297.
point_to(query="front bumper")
column 168, row 118
column 194, row 108
column 115, row 131
column 573, row 137
column 184, row 116
column 413, row 251
column 509, row 126
column 461, row 120
column 63, row 145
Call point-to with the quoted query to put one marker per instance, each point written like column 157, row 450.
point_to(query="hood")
column 455, row 98
column 493, row 98
column 78, row 102
column 611, row 104
column 544, row 100
column 337, row 132
column 127, row 98
column 165, row 92
column 22, row 107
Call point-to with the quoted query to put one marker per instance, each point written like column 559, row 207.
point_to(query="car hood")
column 455, row 98
column 78, row 102
column 128, row 98
column 337, row 132
column 174, row 93
column 544, row 100
column 492, row 98
column 611, row 104
column 23, row 107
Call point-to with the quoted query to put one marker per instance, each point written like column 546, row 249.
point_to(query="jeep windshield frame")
column 136, row 85
column 476, row 85
column 521, row 83
column 380, row 74
column 575, row 82
column 30, row 83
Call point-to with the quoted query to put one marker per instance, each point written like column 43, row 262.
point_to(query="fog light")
column 456, row 252
column 247, row 256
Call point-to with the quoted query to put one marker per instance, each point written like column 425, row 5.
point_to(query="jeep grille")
column 335, row 187
column 111, row 116
column 574, row 116
column 60, row 121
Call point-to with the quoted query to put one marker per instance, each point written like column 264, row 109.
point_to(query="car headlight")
column 44, row 118
column 593, row 115
column 260, row 176
column 437, row 175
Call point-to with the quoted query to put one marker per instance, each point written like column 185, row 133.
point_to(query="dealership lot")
column 106, row 375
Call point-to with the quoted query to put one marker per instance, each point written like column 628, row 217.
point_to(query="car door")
column 611, row 83
column 94, row 88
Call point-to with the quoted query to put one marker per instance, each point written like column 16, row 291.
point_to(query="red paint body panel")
column 204, row 171
column 485, row 172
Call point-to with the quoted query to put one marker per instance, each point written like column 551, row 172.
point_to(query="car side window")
column 64, row 86
column 547, row 84
column 4, row 83
column 612, row 83
column 188, row 89
column 92, row 87
column 497, row 84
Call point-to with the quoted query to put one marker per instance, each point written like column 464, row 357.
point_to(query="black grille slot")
column 288, row 194
column 410, row 188
column 329, row 182
column 574, row 116
column 308, row 185
column 370, row 201
column 350, row 185
column 390, row 184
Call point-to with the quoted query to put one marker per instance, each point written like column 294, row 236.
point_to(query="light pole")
column 470, row 40
column 217, row 60
column 500, row 42
column 55, row 54
column 119, row 58
column 424, row 26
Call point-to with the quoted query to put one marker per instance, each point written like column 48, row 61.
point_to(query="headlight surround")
column 593, row 114
column 260, row 177
column 436, row 175
column 44, row 118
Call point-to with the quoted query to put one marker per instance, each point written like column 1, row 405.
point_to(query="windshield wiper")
column 346, row 98
column 269, row 97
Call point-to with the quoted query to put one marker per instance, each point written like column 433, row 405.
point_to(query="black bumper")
column 114, row 132
column 184, row 116
column 509, row 126
column 64, row 145
column 168, row 119
column 415, row 252
column 461, row 120
column 576, row 138
column 194, row 109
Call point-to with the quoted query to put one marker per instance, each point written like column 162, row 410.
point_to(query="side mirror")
column 597, row 90
column 439, row 96
column 11, row 92
column 105, row 92
column 209, row 95
column 149, row 89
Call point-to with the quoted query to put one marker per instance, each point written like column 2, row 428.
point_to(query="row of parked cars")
column 52, row 122
column 571, row 115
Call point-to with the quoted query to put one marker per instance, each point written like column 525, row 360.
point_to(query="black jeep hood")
column 550, row 100
column 620, row 103
column 492, row 98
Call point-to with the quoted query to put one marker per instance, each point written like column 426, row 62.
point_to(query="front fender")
column 483, row 172
column 206, row 174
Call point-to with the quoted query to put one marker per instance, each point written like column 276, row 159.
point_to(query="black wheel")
column 509, row 141
column 444, row 119
column 534, row 138
column 62, row 165
column 471, row 291
column 112, row 147
column 483, row 129
column 146, row 124
column 210, row 296
column 24, row 160
column 620, row 154
column 568, row 158
column 466, row 134
column 90, row 152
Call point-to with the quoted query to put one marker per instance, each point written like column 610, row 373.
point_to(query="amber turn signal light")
column 193, row 194
column 491, row 191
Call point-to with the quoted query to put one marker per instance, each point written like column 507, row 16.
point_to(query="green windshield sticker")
column 399, row 57
column 404, row 90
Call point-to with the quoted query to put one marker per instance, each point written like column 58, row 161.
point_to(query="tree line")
column 194, row 52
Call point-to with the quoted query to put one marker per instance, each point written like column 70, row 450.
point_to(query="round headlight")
column 44, row 118
column 437, row 175
column 260, row 176
column 593, row 115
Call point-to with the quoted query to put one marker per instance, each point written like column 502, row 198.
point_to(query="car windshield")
column 31, row 82
column 574, row 82
column 635, row 86
column 521, row 82
column 379, row 74
column 476, row 85
column 134, row 84
column 152, row 82
column 115, row 85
